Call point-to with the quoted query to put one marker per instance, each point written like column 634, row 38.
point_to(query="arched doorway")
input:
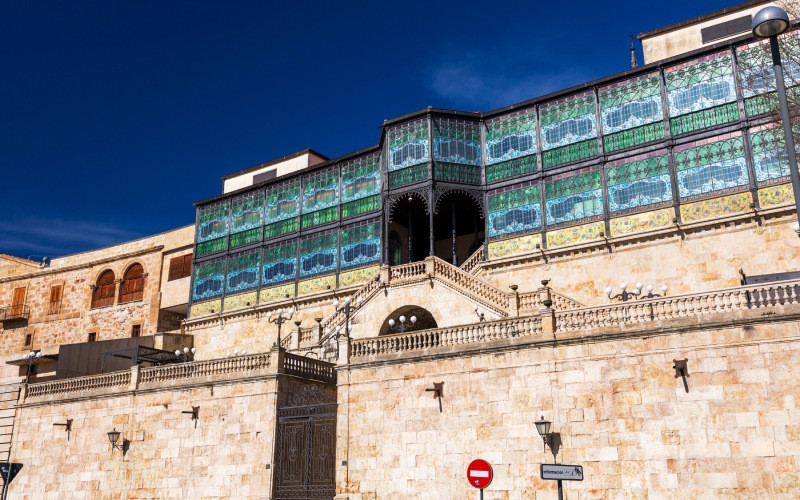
column 458, row 226
column 424, row 320
column 409, row 223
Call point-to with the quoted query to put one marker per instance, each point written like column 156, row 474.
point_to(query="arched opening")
column 424, row 320
column 458, row 227
column 395, row 249
column 410, row 223
column 103, row 293
column 132, row 287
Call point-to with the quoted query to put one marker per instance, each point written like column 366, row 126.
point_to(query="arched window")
column 132, row 284
column 103, row 294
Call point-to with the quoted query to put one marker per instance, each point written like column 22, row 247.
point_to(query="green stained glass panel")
column 570, row 153
column 245, row 237
column 454, row 172
column 212, row 246
column 408, row 175
column 511, row 168
column 361, row 206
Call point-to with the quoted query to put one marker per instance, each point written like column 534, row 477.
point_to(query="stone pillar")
column 23, row 392
column 429, row 267
column 295, row 343
column 548, row 321
column 316, row 330
column 344, row 351
column 134, row 378
column 276, row 359
column 513, row 302
column 384, row 274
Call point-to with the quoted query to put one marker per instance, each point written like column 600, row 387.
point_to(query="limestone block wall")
column 686, row 262
column 619, row 410
column 224, row 454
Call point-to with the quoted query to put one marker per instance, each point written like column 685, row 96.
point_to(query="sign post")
column 479, row 474
column 560, row 473
column 8, row 471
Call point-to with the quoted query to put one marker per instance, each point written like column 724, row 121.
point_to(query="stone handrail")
column 473, row 260
column 79, row 384
column 366, row 291
column 306, row 335
column 411, row 270
column 204, row 368
column 479, row 289
column 309, row 368
column 532, row 301
column 441, row 337
column 680, row 306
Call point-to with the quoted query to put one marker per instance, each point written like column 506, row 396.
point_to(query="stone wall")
column 613, row 398
column 697, row 260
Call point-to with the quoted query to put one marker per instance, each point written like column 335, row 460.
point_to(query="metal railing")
column 15, row 312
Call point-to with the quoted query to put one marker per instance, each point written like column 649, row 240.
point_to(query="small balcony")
column 15, row 313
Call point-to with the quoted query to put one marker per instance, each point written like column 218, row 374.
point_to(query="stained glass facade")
column 318, row 254
column 701, row 93
column 711, row 168
column 360, row 244
column 570, row 198
column 639, row 183
column 770, row 159
column 514, row 210
column 280, row 263
column 209, row 280
column 282, row 209
column 243, row 271
column 758, row 77
column 247, row 217
column 511, row 145
column 505, row 152
column 408, row 144
column 569, row 128
column 631, row 112
column 361, row 185
column 321, row 197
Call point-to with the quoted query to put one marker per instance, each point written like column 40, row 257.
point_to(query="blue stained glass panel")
column 715, row 167
column 631, row 104
column 408, row 144
column 213, row 221
column 209, row 280
column 361, row 244
column 321, row 190
column 568, row 122
column 283, row 201
column 456, row 141
column 280, row 264
column 573, row 197
column 318, row 254
column 361, row 178
column 247, row 211
column 514, row 211
column 700, row 84
column 642, row 182
column 243, row 271
column 510, row 137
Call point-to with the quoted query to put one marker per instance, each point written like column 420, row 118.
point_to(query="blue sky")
column 118, row 115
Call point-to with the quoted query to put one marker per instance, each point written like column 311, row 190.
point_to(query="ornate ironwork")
column 306, row 446
column 393, row 200
column 439, row 192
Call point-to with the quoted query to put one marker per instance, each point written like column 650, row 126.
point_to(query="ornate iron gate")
column 306, row 446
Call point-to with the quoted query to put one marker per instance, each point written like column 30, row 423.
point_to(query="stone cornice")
column 48, row 271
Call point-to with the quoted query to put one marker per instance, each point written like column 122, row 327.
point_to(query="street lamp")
column 348, row 307
column 625, row 295
column 403, row 326
column 279, row 319
column 31, row 358
column 543, row 428
column 186, row 355
column 770, row 22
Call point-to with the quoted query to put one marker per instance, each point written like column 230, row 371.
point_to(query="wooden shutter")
column 55, row 299
column 132, row 284
column 104, row 291
column 175, row 268
column 18, row 301
column 187, row 265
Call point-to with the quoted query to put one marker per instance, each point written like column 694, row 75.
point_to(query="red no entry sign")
column 479, row 473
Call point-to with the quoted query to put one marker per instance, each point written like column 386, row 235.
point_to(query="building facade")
column 617, row 258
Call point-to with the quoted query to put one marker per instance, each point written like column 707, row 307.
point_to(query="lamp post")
column 348, row 307
column 279, row 318
column 543, row 428
column 186, row 355
column 625, row 295
column 403, row 326
column 31, row 358
column 770, row 22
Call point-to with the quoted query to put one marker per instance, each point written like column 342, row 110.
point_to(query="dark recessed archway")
column 458, row 227
column 425, row 319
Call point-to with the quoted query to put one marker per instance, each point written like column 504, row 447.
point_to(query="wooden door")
column 18, row 302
